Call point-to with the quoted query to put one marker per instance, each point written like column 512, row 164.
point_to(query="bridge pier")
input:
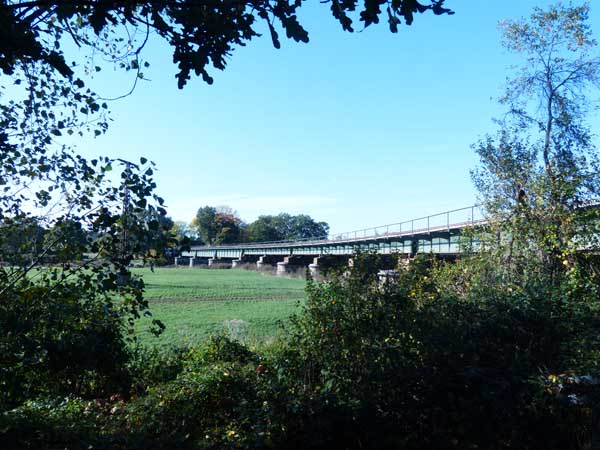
column 244, row 260
column 292, row 264
column 184, row 260
column 314, row 268
column 197, row 261
column 266, row 262
column 323, row 263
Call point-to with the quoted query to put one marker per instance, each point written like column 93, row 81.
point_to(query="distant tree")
column 67, row 239
column 217, row 225
column 263, row 229
column 285, row 227
column 304, row 227
column 205, row 224
column 158, row 237
column 229, row 229
column 21, row 240
column 184, row 232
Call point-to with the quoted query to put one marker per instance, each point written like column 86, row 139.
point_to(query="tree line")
column 67, row 239
column 222, row 225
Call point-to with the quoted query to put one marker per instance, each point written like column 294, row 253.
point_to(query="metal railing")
column 456, row 218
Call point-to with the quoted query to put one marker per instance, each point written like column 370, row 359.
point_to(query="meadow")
column 195, row 303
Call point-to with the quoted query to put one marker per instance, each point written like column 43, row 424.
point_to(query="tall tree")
column 217, row 225
column 285, row 227
column 538, row 176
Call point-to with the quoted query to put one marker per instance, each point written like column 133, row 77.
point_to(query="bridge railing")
column 469, row 216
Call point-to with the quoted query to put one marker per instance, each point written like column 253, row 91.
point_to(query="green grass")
column 195, row 303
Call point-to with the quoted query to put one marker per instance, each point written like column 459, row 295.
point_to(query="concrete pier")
column 314, row 268
column 267, row 262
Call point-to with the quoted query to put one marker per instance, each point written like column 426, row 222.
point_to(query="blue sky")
column 356, row 129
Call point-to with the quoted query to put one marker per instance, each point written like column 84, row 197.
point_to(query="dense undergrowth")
column 423, row 362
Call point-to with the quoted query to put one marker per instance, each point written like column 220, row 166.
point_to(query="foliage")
column 285, row 227
column 539, row 177
column 217, row 225
column 200, row 34
column 442, row 370
column 372, row 366
column 58, row 338
column 20, row 240
column 158, row 242
column 184, row 234
column 221, row 225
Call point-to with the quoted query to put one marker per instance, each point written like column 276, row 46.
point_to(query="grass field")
column 195, row 303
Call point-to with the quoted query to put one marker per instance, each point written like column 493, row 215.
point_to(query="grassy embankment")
column 196, row 303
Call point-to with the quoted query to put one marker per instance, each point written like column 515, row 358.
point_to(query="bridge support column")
column 314, row 269
column 284, row 267
column 294, row 264
column 267, row 262
column 244, row 261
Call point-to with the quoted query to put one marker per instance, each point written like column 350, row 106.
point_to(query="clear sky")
column 356, row 129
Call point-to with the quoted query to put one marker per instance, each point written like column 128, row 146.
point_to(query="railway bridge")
column 440, row 233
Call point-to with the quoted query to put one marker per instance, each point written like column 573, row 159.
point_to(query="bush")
column 437, row 359
column 413, row 366
column 55, row 343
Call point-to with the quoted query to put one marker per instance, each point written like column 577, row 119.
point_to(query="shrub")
column 56, row 343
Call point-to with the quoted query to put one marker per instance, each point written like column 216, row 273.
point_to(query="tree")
column 184, row 235
column 64, row 325
column 304, row 227
column 229, row 228
column 539, row 175
column 285, row 227
column 217, row 225
column 263, row 229
column 205, row 224
column 158, row 238
column 68, row 241
column 21, row 240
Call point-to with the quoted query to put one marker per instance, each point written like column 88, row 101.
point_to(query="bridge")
column 438, row 233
